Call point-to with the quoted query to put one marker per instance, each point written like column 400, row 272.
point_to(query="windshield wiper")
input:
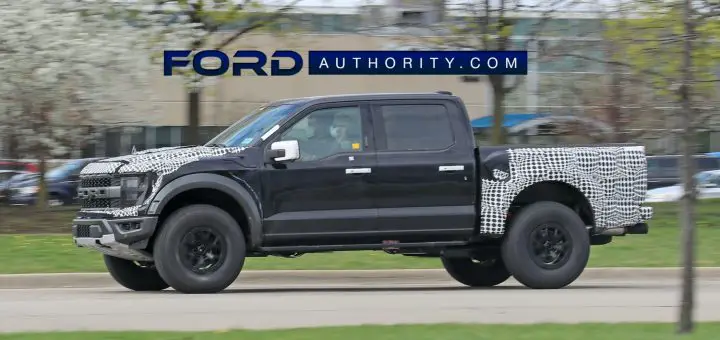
column 216, row 145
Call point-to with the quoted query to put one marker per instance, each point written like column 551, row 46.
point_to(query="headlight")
column 133, row 189
column 27, row 190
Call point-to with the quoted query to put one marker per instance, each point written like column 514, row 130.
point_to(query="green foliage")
column 653, row 46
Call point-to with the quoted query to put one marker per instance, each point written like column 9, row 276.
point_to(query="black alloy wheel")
column 546, row 246
column 202, row 250
column 550, row 245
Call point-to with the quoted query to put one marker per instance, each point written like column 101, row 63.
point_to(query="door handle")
column 353, row 171
column 449, row 168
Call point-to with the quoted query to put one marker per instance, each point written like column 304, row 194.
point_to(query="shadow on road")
column 239, row 290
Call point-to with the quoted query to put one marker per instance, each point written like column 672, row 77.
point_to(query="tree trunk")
column 192, row 137
column 616, row 101
column 42, row 196
column 687, row 220
column 498, row 131
column 687, row 212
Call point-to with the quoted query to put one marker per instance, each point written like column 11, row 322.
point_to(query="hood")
column 161, row 160
column 675, row 189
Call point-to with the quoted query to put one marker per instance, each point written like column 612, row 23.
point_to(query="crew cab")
column 395, row 172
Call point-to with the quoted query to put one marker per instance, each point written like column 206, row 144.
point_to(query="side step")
column 349, row 247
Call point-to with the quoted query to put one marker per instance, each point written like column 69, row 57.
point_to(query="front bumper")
column 123, row 237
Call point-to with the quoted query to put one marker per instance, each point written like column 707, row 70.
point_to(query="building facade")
column 387, row 26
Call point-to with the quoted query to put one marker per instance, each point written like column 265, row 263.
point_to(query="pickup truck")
column 395, row 172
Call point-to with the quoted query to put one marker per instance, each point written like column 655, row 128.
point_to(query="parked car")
column 708, row 186
column 6, row 178
column 664, row 171
column 394, row 172
column 62, row 182
column 6, row 164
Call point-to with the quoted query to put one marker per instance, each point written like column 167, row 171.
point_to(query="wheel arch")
column 555, row 191
column 221, row 189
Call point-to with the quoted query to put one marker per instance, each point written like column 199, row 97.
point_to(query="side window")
column 326, row 132
column 714, row 179
column 417, row 127
column 653, row 168
column 706, row 164
column 669, row 167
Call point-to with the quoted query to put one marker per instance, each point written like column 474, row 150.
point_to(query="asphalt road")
column 253, row 306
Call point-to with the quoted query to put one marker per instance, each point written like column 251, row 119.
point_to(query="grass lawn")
column 25, row 253
column 414, row 332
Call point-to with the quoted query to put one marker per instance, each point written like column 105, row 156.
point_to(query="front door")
column 322, row 198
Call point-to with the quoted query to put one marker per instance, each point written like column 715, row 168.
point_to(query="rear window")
column 417, row 127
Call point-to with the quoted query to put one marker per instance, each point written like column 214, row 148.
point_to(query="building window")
column 163, row 137
column 412, row 18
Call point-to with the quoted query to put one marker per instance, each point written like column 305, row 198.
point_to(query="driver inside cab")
column 331, row 134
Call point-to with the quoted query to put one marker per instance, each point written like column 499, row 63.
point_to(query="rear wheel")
column 476, row 273
column 200, row 249
column 547, row 246
column 133, row 275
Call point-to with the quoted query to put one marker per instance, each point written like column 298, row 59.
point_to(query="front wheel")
column 476, row 273
column 200, row 249
column 547, row 246
column 133, row 275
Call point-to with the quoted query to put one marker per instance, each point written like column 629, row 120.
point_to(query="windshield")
column 64, row 170
column 248, row 129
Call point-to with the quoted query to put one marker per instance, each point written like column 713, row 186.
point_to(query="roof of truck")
column 364, row 96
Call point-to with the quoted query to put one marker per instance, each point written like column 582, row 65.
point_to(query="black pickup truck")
column 393, row 172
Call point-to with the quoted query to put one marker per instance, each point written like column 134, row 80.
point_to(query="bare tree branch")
column 280, row 13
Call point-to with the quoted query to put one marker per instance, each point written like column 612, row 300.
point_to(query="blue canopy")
column 511, row 119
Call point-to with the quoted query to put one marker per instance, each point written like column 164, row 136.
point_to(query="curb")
column 301, row 277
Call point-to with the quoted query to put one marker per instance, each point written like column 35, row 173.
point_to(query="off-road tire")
column 133, row 276
column 518, row 256
column 167, row 245
column 466, row 270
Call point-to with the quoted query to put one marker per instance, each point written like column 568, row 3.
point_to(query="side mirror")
column 286, row 150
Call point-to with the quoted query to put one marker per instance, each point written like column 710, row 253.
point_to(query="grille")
column 92, row 182
column 83, row 231
column 99, row 203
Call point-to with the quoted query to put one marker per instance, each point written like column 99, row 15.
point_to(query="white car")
column 708, row 187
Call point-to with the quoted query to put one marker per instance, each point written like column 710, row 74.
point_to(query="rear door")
column 424, row 182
